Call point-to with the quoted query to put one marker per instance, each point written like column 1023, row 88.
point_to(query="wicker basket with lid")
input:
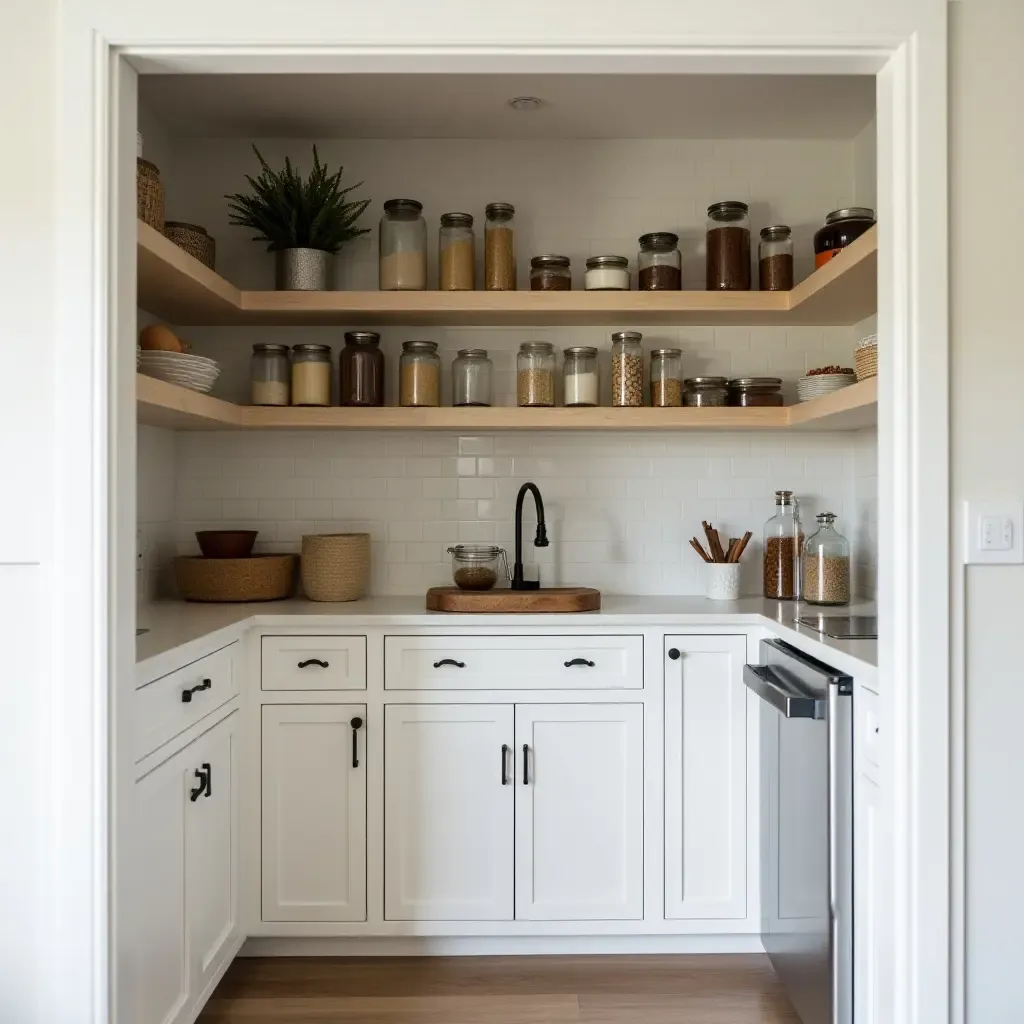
column 149, row 194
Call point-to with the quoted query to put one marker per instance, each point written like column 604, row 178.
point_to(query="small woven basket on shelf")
column 193, row 239
column 149, row 192
column 335, row 566
column 865, row 361
column 257, row 578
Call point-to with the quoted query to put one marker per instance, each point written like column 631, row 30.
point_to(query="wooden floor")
column 501, row 990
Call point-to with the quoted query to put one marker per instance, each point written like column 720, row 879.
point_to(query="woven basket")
column 865, row 360
column 335, row 566
column 259, row 578
column 193, row 239
column 149, row 194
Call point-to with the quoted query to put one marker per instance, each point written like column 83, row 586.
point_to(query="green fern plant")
column 290, row 213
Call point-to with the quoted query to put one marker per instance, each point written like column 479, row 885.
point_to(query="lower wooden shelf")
column 166, row 405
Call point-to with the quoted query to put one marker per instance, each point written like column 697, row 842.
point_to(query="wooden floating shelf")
column 167, row 405
column 176, row 287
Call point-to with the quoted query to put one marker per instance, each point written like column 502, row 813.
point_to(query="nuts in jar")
column 627, row 369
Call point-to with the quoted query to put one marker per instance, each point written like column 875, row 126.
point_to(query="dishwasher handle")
column 770, row 688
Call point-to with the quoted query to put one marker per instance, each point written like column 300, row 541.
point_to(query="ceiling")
column 476, row 106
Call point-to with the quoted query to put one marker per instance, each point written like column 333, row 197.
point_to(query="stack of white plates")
column 195, row 372
column 823, row 384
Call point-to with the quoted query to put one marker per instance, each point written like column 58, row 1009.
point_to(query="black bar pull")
column 526, row 764
column 314, row 661
column 579, row 661
column 357, row 724
column 504, row 764
column 202, row 776
column 449, row 661
column 209, row 778
column 186, row 694
column 673, row 653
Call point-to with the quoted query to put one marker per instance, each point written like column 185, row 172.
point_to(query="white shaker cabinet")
column 705, row 778
column 314, row 812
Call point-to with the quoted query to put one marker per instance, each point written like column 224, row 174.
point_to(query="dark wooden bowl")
column 226, row 543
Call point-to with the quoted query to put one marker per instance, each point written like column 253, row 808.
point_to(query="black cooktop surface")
column 844, row 627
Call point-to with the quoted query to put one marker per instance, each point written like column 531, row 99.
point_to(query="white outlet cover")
column 976, row 513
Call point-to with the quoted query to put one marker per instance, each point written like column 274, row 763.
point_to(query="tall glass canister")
column 500, row 248
column 456, row 253
column 535, row 373
column 419, row 374
column 666, row 378
column 659, row 263
column 270, row 375
column 627, row 369
column 403, row 247
column 580, row 376
column 728, row 247
column 362, row 369
column 783, row 545
column 826, row 568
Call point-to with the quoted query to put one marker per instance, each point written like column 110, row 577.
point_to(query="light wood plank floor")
column 501, row 990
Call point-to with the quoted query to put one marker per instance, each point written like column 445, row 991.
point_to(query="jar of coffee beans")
column 627, row 369
column 826, row 564
column 535, row 373
column 728, row 245
column 775, row 259
column 550, row 273
column 659, row 262
column 666, row 378
column 783, row 545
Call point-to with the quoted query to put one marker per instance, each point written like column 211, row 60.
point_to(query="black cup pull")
column 186, row 694
column 357, row 724
column 203, row 778
column 526, row 764
column 449, row 661
column 314, row 661
column 579, row 661
column 673, row 653
column 504, row 764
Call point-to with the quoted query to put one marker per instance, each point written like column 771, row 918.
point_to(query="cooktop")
column 843, row 627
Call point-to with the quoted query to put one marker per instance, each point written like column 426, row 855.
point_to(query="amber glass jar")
column 362, row 369
column 841, row 228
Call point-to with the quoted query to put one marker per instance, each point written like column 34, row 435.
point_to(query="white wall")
column 157, row 494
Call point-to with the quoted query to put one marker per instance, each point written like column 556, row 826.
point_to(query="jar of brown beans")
column 627, row 369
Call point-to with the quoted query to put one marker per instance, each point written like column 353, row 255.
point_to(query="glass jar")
column 666, row 378
column 728, row 245
column 775, row 259
column 607, row 274
column 580, row 376
column 783, row 545
column 627, row 369
column 500, row 248
column 270, row 375
column 362, row 369
column 550, row 274
column 826, row 571
column 419, row 374
column 472, row 373
column 403, row 247
column 659, row 264
column 841, row 228
column 478, row 566
column 755, row 391
column 311, row 375
column 456, row 253
column 706, row 392
column 535, row 373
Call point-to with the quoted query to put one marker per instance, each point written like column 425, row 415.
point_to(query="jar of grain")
column 361, row 369
column 419, row 374
column 666, row 378
column 783, row 546
column 499, row 248
column 403, row 247
column 826, row 569
column 535, row 373
column 755, row 391
column 580, row 380
column 627, row 369
column 659, row 264
column 456, row 253
column 728, row 247
column 775, row 259
column 270, row 375
column 607, row 274
column 311, row 375
column 705, row 392
column 472, row 373
column 550, row 274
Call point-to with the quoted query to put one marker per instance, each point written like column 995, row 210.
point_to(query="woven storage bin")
column 149, row 194
column 335, row 566
column 258, row 578
column 193, row 239
column 865, row 361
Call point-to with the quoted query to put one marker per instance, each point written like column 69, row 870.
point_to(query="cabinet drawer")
column 513, row 662
column 170, row 705
column 313, row 663
column 868, row 726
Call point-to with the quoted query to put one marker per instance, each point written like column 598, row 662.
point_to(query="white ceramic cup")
column 722, row 581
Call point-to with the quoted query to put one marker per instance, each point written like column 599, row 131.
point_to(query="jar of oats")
column 535, row 373
column 499, row 248
column 627, row 369
column 419, row 374
column 826, row 564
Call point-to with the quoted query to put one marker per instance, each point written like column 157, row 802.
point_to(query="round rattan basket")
column 257, row 578
column 865, row 361
column 149, row 193
column 335, row 566
column 193, row 239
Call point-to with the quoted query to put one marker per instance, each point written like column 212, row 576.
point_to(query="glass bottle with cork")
column 783, row 547
column 826, row 565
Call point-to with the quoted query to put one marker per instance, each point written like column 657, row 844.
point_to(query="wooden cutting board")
column 547, row 599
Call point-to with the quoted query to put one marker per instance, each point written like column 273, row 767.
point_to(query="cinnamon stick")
column 695, row 544
column 733, row 543
column 743, row 545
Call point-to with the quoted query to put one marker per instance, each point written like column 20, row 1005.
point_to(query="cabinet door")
column 579, row 812
column 448, row 812
column 867, row 997
column 705, row 777
column 314, row 812
column 211, row 842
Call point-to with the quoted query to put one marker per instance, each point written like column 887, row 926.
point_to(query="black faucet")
column 540, row 541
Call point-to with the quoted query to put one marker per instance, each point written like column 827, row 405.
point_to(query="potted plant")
column 303, row 222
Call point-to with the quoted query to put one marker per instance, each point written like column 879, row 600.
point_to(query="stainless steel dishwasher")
column 807, row 829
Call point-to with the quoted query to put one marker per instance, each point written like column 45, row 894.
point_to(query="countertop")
column 180, row 632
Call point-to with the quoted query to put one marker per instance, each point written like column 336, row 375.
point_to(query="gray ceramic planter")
column 302, row 270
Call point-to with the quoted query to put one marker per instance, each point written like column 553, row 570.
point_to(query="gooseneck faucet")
column 540, row 541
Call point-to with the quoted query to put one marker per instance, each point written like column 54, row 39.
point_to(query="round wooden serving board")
column 547, row 599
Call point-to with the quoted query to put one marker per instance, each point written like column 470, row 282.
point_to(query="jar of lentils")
column 499, row 248
column 704, row 392
column 456, row 253
column 627, row 369
column 419, row 374
column 535, row 374
column 472, row 374
column 666, row 378
column 550, row 274
column 659, row 263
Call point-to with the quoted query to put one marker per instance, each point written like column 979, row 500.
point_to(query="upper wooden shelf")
column 176, row 287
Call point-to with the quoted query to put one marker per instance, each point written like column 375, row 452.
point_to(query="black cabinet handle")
column 449, row 661
column 504, row 764
column 579, row 661
column 314, row 661
column 673, row 653
column 209, row 778
column 526, row 764
column 357, row 724
column 203, row 777
column 186, row 694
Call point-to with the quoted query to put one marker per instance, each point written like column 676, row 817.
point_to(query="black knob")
column 673, row 653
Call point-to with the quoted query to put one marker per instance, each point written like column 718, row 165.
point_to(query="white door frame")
column 101, row 41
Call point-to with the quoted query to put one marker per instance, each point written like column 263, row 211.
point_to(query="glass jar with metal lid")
column 826, row 564
column 580, row 376
column 550, row 274
column 419, row 374
column 607, row 274
column 472, row 373
column 659, row 264
column 627, row 369
column 775, row 259
column 478, row 566
column 270, row 375
column 362, row 369
column 535, row 373
column 728, row 247
column 456, row 253
column 703, row 392
column 403, row 246
column 841, row 228
column 666, row 378
column 500, row 248
column 755, row 391
column 311, row 375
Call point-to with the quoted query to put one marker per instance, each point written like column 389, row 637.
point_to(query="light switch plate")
column 994, row 532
